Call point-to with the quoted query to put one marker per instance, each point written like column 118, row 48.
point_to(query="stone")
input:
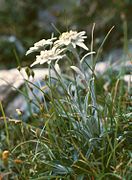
column 11, row 81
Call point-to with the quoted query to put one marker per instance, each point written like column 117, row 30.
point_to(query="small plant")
column 78, row 132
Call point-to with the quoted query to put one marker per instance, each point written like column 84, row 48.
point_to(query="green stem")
column 6, row 126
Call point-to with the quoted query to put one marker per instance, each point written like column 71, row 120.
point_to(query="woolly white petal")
column 32, row 49
column 82, row 45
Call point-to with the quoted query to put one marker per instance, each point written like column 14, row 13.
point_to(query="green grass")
column 78, row 134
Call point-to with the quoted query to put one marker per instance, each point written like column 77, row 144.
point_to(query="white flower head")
column 72, row 38
column 40, row 45
column 47, row 56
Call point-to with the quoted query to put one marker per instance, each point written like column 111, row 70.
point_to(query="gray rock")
column 11, row 82
column 102, row 67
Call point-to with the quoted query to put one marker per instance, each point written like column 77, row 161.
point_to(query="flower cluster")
column 48, row 56
column 56, row 51
column 72, row 38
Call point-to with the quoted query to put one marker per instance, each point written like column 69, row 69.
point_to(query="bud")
column 19, row 112
column 5, row 156
column 18, row 161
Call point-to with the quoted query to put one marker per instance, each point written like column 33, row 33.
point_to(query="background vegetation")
column 25, row 22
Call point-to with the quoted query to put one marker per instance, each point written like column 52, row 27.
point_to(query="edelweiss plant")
column 67, row 41
column 52, row 50
column 73, row 101
column 75, row 128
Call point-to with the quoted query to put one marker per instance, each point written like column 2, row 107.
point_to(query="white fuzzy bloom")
column 47, row 56
column 72, row 38
column 40, row 45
